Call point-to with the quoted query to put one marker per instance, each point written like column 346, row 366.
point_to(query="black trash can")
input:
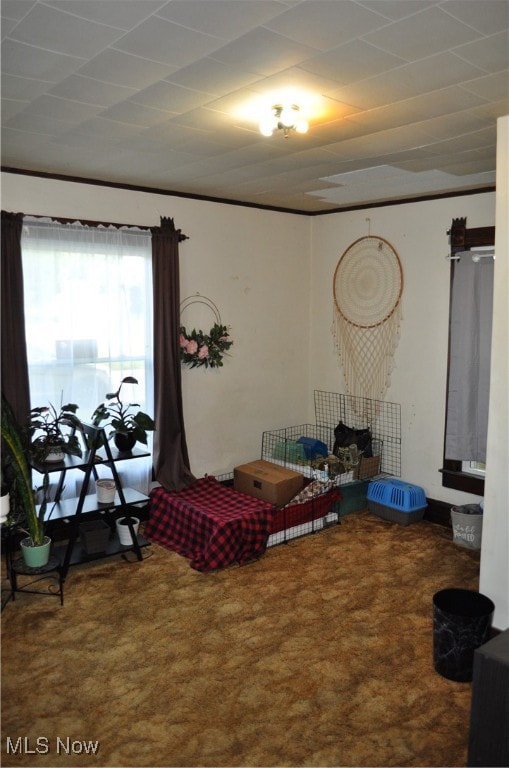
column 461, row 623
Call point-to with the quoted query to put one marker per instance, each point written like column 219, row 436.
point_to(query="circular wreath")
column 198, row 348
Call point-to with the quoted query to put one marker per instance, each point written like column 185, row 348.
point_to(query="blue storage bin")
column 313, row 448
column 396, row 501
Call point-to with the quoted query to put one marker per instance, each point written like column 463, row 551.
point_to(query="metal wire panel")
column 382, row 418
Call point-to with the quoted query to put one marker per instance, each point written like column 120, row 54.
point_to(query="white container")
column 466, row 528
column 105, row 490
column 124, row 534
column 5, row 508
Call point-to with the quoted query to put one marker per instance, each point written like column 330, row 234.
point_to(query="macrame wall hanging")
column 367, row 289
column 198, row 348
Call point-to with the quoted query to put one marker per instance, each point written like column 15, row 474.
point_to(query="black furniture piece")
column 68, row 514
column 489, row 718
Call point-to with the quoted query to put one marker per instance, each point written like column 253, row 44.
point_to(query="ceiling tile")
column 263, row 52
column 493, row 87
column 476, row 15
column 422, row 34
column 22, row 87
column 491, row 111
column 27, row 61
column 337, row 23
column 160, row 40
column 121, row 15
column 119, row 68
column 38, row 124
column 443, row 102
column 164, row 93
column 427, row 75
column 351, row 62
column 225, row 19
column 397, row 9
column 60, row 109
column 136, row 114
column 490, row 53
column 89, row 91
column 449, row 126
column 10, row 108
column 15, row 9
column 466, row 143
column 100, row 128
column 60, row 32
column 212, row 76
column 170, row 97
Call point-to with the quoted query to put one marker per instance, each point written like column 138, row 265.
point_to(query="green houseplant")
column 48, row 441
column 128, row 426
column 16, row 466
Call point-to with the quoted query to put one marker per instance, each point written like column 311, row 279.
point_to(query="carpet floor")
column 318, row 654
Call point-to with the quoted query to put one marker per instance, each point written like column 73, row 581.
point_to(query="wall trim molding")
column 227, row 201
column 438, row 512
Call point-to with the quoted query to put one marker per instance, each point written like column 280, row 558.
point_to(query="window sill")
column 462, row 481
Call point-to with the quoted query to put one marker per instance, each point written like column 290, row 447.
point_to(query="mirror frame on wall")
column 463, row 239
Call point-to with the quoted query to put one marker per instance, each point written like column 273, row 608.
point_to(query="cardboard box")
column 267, row 481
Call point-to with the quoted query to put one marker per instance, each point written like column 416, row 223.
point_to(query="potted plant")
column 48, row 442
column 15, row 458
column 128, row 426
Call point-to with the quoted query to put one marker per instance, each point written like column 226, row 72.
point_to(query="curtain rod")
column 475, row 254
column 89, row 223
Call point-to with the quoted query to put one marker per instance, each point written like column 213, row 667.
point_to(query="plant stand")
column 50, row 574
column 77, row 511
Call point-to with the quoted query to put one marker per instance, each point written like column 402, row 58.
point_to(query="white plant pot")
column 4, row 508
column 105, row 491
column 55, row 454
column 124, row 534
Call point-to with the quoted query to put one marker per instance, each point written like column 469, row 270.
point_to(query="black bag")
column 347, row 436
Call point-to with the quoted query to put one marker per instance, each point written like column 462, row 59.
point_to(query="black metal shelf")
column 96, row 457
column 65, row 509
column 127, row 503
column 113, row 547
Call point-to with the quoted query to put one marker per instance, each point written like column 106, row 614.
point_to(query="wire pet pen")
column 290, row 446
column 382, row 418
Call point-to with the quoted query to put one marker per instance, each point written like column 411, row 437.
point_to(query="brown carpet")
column 319, row 654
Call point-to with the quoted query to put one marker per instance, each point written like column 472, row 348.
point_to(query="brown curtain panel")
column 15, row 382
column 171, row 461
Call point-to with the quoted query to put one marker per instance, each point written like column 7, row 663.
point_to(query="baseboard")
column 438, row 512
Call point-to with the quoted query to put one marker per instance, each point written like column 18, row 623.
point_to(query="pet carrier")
column 396, row 501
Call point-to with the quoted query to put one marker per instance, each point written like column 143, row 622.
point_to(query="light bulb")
column 284, row 117
column 301, row 125
column 267, row 125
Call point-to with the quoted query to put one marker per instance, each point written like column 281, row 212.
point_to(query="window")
column 469, row 357
column 474, row 467
column 88, row 313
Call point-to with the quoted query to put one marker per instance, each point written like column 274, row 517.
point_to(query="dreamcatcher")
column 367, row 288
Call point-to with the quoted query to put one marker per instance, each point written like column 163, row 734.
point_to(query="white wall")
column 494, row 575
column 418, row 232
column 254, row 265
column 270, row 275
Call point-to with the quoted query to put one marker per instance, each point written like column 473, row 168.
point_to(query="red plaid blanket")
column 297, row 514
column 209, row 523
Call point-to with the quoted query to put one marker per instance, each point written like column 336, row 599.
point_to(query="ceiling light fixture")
column 283, row 117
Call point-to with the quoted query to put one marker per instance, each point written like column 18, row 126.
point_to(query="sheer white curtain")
column 470, row 353
column 88, row 311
